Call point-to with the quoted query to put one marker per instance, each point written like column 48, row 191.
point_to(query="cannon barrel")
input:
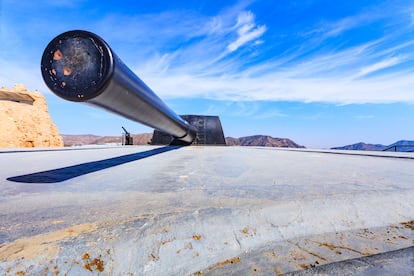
column 80, row 66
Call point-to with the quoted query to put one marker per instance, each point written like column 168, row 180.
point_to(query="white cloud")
column 28, row 75
column 378, row 66
column 364, row 117
column 247, row 30
column 342, row 26
column 274, row 88
column 185, row 54
column 270, row 114
column 337, row 76
column 341, row 77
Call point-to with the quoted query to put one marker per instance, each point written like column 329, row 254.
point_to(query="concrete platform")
column 205, row 210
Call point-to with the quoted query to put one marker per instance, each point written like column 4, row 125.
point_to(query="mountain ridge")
column 262, row 141
column 91, row 139
column 400, row 145
column 145, row 138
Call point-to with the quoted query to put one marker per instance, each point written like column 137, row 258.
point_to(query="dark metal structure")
column 400, row 148
column 127, row 139
column 209, row 131
column 80, row 66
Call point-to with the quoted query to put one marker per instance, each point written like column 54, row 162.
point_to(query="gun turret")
column 79, row 66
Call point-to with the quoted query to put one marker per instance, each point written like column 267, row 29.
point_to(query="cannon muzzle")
column 79, row 66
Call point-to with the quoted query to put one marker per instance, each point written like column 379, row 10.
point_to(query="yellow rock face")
column 26, row 123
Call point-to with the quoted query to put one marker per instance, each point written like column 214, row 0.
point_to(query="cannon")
column 127, row 139
column 80, row 66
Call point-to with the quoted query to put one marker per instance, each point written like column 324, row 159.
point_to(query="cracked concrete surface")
column 203, row 210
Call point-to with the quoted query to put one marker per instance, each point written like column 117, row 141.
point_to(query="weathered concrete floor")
column 200, row 210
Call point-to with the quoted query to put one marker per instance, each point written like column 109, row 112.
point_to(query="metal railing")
column 396, row 147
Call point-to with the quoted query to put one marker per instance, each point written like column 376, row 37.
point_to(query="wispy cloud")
column 342, row 77
column 326, row 30
column 270, row 114
column 247, row 30
column 230, row 56
column 378, row 66
column 371, row 71
column 364, row 117
column 28, row 75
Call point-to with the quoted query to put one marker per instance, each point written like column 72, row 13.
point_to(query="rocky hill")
column 89, row 139
column 25, row 120
column 403, row 143
column 145, row 138
column 401, row 146
column 262, row 141
column 362, row 146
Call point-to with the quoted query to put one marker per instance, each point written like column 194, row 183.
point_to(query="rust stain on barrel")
column 57, row 55
column 67, row 71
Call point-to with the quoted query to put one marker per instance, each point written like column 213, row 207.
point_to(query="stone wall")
column 26, row 123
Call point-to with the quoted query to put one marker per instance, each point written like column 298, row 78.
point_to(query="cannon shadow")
column 66, row 173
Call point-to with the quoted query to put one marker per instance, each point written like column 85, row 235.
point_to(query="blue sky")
column 322, row 73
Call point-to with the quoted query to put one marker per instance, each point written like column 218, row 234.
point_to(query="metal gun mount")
column 80, row 66
column 127, row 139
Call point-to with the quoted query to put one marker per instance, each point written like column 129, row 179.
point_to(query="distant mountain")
column 145, row 138
column 88, row 139
column 262, row 141
column 230, row 141
column 403, row 143
column 362, row 146
column 401, row 146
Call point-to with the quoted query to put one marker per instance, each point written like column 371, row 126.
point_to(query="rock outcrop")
column 25, row 120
